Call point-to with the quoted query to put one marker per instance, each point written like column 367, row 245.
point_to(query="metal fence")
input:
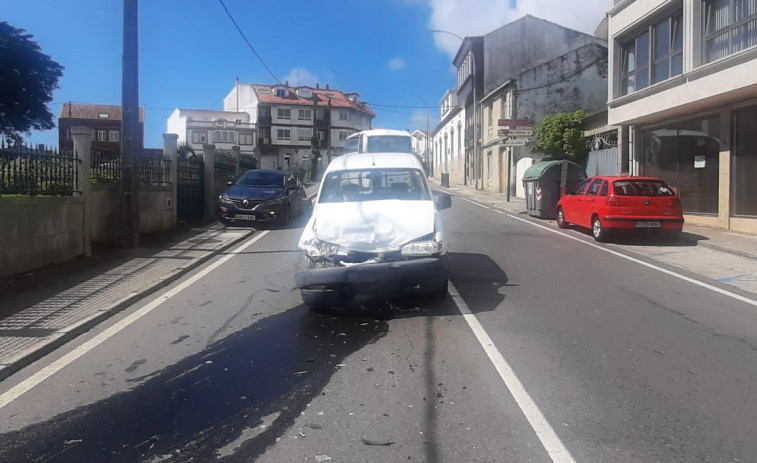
column 155, row 171
column 30, row 171
column 225, row 168
column 247, row 162
column 106, row 166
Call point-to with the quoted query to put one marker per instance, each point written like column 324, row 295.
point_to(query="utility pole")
column 131, row 142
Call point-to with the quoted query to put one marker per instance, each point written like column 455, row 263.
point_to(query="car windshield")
column 373, row 185
column 641, row 188
column 262, row 179
column 389, row 144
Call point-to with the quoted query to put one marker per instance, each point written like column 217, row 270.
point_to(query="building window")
column 102, row 135
column 490, row 166
column 284, row 113
column 729, row 27
column 343, row 135
column 304, row 135
column 113, row 135
column 283, row 134
column 224, row 136
column 652, row 56
column 744, row 165
column 686, row 155
column 304, row 114
column 199, row 136
column 344, row 115
column 245, row 138
column 281, row 92
column 490, row 119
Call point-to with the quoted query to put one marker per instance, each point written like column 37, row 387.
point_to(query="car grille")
column 240, row 203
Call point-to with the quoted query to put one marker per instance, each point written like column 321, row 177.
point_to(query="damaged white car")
column 375, row 233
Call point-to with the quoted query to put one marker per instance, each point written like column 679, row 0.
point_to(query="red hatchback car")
column 621, row 203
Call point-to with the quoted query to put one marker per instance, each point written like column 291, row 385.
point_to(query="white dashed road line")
column 31, row 382
column 547, row 436
column 693, row 281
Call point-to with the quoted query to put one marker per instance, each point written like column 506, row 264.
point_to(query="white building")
column 421, row 142
column 449, row 154
column 226, row 130
column 683, row 87
column 289, row 117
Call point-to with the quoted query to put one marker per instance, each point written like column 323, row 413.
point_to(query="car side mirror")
column 442, row 201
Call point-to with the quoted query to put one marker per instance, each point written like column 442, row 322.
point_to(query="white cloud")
column 397, row 63
column 300, row 76
column 478, row 17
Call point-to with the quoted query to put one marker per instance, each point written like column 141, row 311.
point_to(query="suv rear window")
column 641, row 188
column 374, row 185
column 389, row 144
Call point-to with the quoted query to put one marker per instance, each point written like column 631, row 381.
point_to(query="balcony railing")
column 219, row 125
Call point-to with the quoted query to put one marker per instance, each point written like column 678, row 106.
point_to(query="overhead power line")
column 248, row 42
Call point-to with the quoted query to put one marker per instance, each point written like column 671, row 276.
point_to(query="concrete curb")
column 63, row 337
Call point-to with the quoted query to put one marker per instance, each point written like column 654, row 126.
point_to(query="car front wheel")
column 561, row 219
column 597, row 230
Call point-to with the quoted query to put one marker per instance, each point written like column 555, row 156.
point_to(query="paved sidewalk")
column 721, row 240
column 29, row 332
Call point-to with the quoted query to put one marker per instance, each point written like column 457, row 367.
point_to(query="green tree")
column 560, row 136
column 27, row 80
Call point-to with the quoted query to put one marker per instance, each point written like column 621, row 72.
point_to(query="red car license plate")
column 647, row 224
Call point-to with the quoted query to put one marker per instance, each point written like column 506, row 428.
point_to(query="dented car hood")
column 370, row 226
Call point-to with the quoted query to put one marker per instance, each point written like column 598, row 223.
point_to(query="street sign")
column 515, row 123
column 514, row 142
column 515, row 133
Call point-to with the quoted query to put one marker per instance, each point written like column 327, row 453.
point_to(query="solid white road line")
column 693, row 281
column 23, row 387
column 547, row 436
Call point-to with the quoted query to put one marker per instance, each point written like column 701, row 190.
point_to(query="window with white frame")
column 729, row 27
column 199, row 136
column 283, row 113
column 102, row 135
column 304, row 135
column 304, row 114
column 114, row 135
column 245, row 138
column 224, row 136
column 652, row 56
column 345, row 115
column 283, row 134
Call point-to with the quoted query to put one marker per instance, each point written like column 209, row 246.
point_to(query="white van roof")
column 374, row 132
column 357, row 161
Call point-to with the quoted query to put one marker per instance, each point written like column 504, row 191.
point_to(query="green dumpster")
column 544, row 183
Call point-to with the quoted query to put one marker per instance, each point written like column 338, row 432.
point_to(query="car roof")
column 375, row 160
column 613, row 178
column 270, row 171
column 374, row 132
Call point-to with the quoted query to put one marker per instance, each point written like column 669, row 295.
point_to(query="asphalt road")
column 567, row 353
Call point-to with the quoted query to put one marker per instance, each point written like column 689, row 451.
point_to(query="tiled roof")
column 338, row 98
column 93, row 111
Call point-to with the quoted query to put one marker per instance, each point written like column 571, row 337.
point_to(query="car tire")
column 561, row 219
column 287, row 216
column 597, row 230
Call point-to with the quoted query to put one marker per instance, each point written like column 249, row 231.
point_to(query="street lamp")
column 431, row 163
column 475, row 107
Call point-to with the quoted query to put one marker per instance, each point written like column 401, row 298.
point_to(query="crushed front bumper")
column 362, row 283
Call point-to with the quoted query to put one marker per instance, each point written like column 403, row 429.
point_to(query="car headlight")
column 277, row 201
column 318, row 248
column 224, row 198
column 424, row 248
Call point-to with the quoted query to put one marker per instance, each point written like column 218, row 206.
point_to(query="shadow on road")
column 188, row 411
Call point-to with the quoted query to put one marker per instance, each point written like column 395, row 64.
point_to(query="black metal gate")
column 190, row 188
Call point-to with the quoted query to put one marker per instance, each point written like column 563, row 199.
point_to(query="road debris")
column 322, row 458
column 383, row 443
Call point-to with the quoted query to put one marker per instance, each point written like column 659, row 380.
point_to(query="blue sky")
column 190, row 53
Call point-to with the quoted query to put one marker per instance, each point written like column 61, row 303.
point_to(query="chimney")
column 317, row 86
column 327, row 87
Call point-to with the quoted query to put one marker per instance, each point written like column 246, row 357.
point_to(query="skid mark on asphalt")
column 131, row 368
